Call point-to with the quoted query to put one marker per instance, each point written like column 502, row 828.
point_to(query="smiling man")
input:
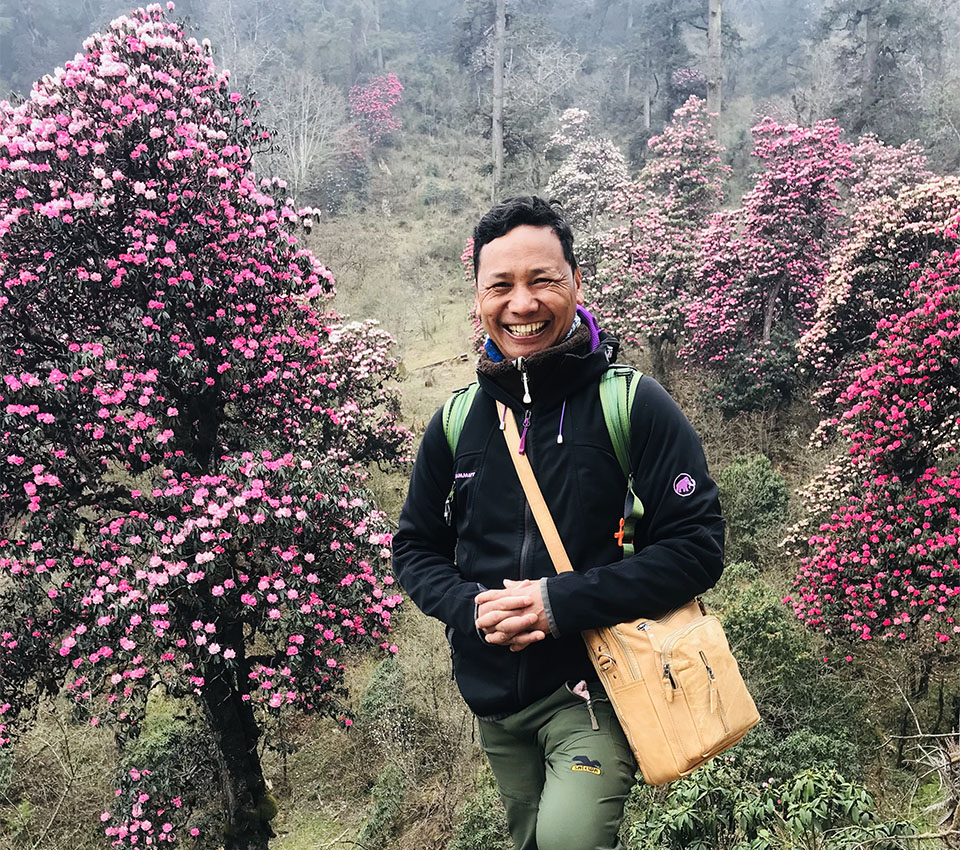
column 469, row 552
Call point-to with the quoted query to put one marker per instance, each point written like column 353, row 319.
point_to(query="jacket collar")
column 552, row 374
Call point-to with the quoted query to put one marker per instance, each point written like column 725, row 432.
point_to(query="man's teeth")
column 526, row 330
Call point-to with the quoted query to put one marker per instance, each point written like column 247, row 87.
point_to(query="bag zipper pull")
column 523, row 376
column 668, row 684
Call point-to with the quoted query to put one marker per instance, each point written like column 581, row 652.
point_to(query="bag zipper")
column 627, row 654
column 716, row 704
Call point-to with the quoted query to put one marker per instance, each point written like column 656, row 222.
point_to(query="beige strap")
column 541, row 513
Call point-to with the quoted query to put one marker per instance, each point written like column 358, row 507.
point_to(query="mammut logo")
column 460, row 475
column 684, row 485
column 583, row 764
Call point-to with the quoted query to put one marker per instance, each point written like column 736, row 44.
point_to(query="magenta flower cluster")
column 881, row 534
column 185, row 431
column 373, row 106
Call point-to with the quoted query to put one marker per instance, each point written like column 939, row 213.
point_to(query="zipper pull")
column 523, row 376
column 593, row 717
column 523, row 434
column 668, row 684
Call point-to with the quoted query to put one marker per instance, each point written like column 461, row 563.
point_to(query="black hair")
column 525, row 209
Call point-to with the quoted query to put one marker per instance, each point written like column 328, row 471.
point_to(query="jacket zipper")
column 528, row 523
column 526, row 547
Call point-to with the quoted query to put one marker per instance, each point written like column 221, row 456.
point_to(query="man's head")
column 528, row 283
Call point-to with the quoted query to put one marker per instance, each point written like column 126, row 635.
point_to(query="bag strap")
column 538, row 507
column 455, row 410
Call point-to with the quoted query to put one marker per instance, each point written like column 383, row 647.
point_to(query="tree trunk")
column 714, row 63
column 356, row 36
column 871, row 53
column 376, row 29
column 496, row 129
column 658, row 364
column 647, row 80
column 769, row 311
column 626, row 76
column 247, row 807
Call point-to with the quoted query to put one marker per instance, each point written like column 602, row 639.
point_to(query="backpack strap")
column 618, row 389
column 455, row 410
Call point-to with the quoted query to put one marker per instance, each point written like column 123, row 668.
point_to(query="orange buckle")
column 619, row 535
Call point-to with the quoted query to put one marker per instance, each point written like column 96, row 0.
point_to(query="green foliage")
column 17, row 823
column 811, row 715
column 754, row 498
column 182, row 763
column 757, row 379
column 816, row 809
column 481, row 822
column 386, row 814
column 6, row 770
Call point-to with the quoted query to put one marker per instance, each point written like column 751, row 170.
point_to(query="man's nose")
column 523, row 300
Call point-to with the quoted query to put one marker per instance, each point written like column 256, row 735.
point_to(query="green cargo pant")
column 562, row 782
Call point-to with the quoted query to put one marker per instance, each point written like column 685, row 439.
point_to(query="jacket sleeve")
column 679, row 539
column 424, row 545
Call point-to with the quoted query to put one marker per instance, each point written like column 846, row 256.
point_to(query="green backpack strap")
column 455, row 410
column 618, row 389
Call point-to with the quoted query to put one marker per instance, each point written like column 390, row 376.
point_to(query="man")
column 560, row 758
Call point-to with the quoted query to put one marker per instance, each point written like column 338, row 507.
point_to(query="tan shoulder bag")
column 673, row 681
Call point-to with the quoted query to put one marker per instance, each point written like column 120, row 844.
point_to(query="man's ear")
column 577, row 282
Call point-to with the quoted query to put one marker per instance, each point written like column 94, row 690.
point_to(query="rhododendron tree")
column 880, row 539
column 880, row 170
column 869, row 278
column 184, row 429
column 761, row 268
column 372, row 106
column 590, row 174
column 651, row 260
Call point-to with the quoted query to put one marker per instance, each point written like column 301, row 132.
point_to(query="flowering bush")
column 184, row 432
column 650, row 260
column 870, row 274
column 761, row 267
column 879, row 540
column 591, row 173
column 372, row 106
column 883, row 171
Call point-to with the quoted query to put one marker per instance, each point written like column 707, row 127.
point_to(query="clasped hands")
column 512, row 617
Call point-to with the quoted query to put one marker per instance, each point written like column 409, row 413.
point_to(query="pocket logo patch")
column 583, row 764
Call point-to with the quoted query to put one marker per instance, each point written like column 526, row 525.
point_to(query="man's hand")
column 514, row 616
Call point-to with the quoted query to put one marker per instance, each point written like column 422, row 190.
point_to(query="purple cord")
column 587, row 316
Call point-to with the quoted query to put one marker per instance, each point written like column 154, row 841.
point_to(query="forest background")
column 788, row 270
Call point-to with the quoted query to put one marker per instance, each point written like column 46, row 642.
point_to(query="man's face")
column 527, row 294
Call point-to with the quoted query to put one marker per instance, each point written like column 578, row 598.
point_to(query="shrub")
column 810, row 714
column 481, row 822
column 714, row 810
column 754, row 498
column 386, row 814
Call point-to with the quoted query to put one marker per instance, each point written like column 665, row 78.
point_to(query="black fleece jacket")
column 492, row 534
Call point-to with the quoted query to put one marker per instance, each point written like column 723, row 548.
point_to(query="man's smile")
column 526, row 330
